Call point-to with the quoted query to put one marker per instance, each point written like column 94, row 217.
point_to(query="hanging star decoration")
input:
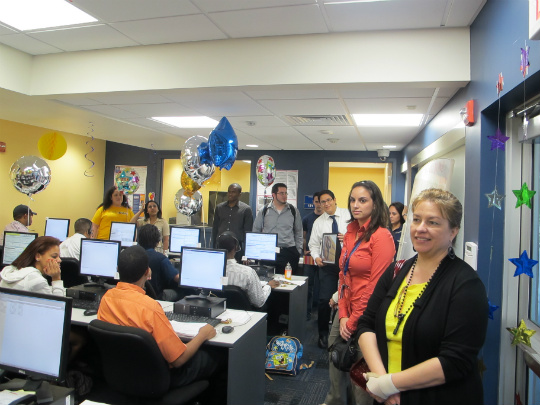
column 500, row 84
column 492, row 308
column 498, row 140
column 524, row 265
column 495, row 199
column 524, row 196
column 521, row 334
column 524, row 66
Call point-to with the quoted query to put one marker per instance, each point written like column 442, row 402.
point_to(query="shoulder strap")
column 291, row 207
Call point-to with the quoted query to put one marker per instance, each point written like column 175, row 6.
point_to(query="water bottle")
column 288, row 272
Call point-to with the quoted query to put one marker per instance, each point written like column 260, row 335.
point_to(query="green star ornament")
column 524, row 196
column 521, row 334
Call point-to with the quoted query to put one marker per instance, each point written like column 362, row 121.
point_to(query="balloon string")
column 87, row 171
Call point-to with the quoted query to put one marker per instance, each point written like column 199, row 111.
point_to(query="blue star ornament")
column 492, row 308
column 524, row 264
column 495, row 199
column 498, row 140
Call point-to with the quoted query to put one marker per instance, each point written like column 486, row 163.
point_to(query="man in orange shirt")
column 127, row 304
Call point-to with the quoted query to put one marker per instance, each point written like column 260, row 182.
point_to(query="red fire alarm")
column 467, row 113
column 2, row 146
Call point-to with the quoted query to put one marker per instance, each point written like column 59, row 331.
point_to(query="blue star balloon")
column 492, row 308
column 524, row 264
column 223, row 144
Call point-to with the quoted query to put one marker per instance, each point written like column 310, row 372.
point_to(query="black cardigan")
column 448, row 321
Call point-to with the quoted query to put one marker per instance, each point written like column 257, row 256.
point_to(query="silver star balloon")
column 495, row 199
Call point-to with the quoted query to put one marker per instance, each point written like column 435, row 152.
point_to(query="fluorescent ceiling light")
column 389, row 146
column 252, row 146
column 26, row 15
column 188, row 122
column 388, row 120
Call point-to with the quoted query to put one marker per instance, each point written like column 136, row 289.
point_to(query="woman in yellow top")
column 114, row 208
column 154, row 216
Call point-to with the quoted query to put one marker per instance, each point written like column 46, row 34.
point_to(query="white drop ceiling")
column 253, row 93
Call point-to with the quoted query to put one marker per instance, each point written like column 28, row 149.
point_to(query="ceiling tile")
column 27, row 44
column 84, row 38
column 387, row 105
column 259, row 120
column 78, row 101
column 314, row 132
column 271, row 131
column 271, row 21
column 220, row 5
column 304, row 107
column 379, row 90
column 126, row 10
column 298, row 93
column 158, row 110
column 110, row 111
column 171, row 29
column 387, row 135
column 128, row 98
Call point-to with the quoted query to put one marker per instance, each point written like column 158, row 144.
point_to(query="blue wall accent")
column 497, row 35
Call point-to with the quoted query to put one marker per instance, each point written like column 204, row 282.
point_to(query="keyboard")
column 85, row 304
column 192, row 318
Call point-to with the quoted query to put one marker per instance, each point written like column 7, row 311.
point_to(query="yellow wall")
column 70, row 194
column 341, row 179
column 172, row 171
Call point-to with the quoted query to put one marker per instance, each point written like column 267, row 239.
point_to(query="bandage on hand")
column 381, row 386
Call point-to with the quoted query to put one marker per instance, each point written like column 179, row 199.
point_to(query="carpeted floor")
column 309, row 386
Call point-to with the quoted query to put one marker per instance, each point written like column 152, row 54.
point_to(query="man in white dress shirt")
column 71, row 247
column 243, row 276
column 333, row 220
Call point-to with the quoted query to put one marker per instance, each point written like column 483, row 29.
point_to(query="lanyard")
column 346, row 265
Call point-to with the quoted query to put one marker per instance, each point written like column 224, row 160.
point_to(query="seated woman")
column 243, row 276
column 40, row 258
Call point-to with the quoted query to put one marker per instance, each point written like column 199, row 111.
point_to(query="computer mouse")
column 227, row 329
column 90, row 312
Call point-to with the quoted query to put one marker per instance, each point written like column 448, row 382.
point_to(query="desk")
column 291, row 301
column 246, row 348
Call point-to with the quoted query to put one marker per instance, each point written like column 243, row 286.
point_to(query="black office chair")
column 236, row 298
column 70, row 272
column 134, row 366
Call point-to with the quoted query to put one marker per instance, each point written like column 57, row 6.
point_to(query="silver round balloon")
column 188, row 205
column 30, row 174
column 192, row 161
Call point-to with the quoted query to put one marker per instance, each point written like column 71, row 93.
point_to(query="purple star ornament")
column 492, row 308
column 498, row 140
column 524, row 265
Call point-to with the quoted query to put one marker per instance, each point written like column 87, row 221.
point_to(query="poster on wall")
column 139, row 196
column 288, row 177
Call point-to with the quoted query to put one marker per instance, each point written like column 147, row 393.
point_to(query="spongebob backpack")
column 283, row 354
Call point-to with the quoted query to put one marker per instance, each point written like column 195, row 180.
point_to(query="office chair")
column 236, row 298
column 70, row 272
column 134, row 366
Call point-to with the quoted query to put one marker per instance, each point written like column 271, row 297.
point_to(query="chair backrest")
column 70, row 269
column 132, row 361
column 236, row 298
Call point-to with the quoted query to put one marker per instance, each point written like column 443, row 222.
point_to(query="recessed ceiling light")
column 252, row 146
column 388, row 120
column 35, row 14
column 389, row 146
column 188, row 122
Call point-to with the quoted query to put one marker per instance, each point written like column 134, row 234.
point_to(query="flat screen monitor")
column 261, row 246
column 57, row 228
column 183, row 237
column 14, row 244
column 123, row 232
column 99, row 258
column 203, row 268
column 34, row 333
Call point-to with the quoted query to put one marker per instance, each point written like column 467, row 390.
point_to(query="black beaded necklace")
column 403, row 294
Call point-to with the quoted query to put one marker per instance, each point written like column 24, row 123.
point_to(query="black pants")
column 311, row 272
column 285, row 255
column 328, row 284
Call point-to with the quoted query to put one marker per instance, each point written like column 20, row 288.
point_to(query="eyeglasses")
column 283, row 193
column 324, row 202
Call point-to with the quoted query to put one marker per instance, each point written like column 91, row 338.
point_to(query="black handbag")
column 344, row 353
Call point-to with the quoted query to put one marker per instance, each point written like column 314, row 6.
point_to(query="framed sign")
column 329, row 248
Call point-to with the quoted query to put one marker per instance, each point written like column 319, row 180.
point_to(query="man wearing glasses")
column 284, row 219
column 334, row 220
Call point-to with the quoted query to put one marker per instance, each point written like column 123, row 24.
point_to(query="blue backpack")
column 283, row 354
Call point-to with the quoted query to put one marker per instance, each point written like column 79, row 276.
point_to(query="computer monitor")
column 99, row 259
column 14, row 244
column 57, row 227
column 34, row 332
column 181, row 236
column 261, row 246
column 203, row 269
column 123, row 232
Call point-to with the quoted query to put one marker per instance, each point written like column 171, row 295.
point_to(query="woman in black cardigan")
column 423, row 328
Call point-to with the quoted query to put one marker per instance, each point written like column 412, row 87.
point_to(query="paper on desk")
column 7, row 396
column 187, row 329
column 238, row 317
column 283, row 279
column 88, row 402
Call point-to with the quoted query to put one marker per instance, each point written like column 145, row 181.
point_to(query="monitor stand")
column 263, row 270
column 99, row 283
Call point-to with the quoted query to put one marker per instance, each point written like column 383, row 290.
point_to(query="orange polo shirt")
column 128, row 305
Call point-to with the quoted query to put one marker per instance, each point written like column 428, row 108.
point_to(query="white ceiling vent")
column 317, row 120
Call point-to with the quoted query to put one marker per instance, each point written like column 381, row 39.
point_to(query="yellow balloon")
column 52, row 146
column 188, row 184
